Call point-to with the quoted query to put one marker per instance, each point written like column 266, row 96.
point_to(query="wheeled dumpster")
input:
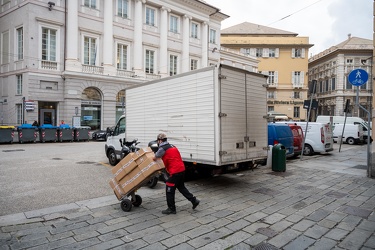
column 27, row 133
column 81, row 133
column 48, row 133
column 6, row 134
column 65, row 133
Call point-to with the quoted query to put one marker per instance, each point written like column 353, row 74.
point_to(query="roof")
column 247, row 28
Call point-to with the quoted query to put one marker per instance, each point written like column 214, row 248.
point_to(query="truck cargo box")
column 214, row 115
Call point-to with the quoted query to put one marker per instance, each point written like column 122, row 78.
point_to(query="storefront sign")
column 286, row 102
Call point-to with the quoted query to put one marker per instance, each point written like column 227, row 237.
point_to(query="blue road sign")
column 358, row 77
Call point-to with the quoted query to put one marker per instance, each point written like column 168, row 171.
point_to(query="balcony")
column 297, row 85
column 49, row 65
column 92, row 69
column 152, row 76
column 125, row 73
column 272, row 85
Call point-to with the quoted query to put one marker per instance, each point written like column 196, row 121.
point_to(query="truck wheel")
column 350, row 141
column 138, row 200
column 126, row 205
column 152, row 183
column 112, row 157
column 308, row 150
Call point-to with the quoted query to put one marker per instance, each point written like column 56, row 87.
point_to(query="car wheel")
column 112, row 157
column 308, row 150
column 350, row 141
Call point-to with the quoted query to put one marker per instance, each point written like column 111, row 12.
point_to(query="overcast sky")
column 325, row 22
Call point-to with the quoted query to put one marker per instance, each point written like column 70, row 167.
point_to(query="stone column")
column 138, row 30
column 163, row 62
column 185, row 62
column 72, row 62
column 204, row 44
column 108, row 35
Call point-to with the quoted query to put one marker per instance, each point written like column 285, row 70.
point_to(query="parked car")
column 353, row 133
column 99, row 135
column 297, row 138
column 281, row 133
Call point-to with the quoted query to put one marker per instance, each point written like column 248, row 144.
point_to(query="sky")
column 325, row 22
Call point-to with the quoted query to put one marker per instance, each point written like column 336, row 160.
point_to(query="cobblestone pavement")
column 321, row 202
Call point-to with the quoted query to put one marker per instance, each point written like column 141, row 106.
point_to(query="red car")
column 297, row 138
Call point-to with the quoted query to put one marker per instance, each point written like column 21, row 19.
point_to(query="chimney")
column 349, row 36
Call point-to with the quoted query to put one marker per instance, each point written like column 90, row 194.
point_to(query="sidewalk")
column 321, row 202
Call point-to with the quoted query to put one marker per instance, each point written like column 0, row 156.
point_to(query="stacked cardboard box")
column 133, row 170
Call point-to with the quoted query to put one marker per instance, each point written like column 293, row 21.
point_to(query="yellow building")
column 283, row 56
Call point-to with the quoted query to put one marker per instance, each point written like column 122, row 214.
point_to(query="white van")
column 349, row 120
column 353, row 133
column 319, row 137
column 113, row 145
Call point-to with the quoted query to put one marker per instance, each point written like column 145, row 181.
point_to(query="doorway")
column 47, row 116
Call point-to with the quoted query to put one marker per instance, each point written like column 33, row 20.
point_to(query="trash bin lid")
column 26, row 125
column 47, row 126
column 83, row 127
column 3, row 127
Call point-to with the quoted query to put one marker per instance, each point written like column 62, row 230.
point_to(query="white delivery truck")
column 349, row 120
column 353, row 133
column 214, row 115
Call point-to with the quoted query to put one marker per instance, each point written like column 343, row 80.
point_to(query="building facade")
column 330, row 70
column 283, row 56
column 65, row 59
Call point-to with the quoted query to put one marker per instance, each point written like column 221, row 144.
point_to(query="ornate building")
column 331, row 68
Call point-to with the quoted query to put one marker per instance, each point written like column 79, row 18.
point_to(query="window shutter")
column 275, row 94
column 292, row 77
column 252, row 52
column 303, row 53
column 302, row 77
column 266, row 52
column 277, row 52
column 293, row 52
column 276, row 77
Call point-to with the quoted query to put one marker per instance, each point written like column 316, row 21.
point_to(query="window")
column 272, row 52
column 212, row 36
column 327, row 86
column 122, row 8
column 363, row 61
column 297, row 78
column 296, row 112
column 150, row 16
column 270, row 108
column 194, row 30
column 5, row 47
column 193, row 64
column 122, row 56
column 172, row 65
column 271, row 77
column 89, row 51
column 271, row 94
column 349, row 61
column 333, row 83
column 19, row 113
column 19, row 32
column 48, row 44
column 90, row 4
column 321, row 87
column 259, row 52
column 149, row 61
column 19, row 85
column 348, row 84
column 298, row 53
column 297, row 95
column 173, row 23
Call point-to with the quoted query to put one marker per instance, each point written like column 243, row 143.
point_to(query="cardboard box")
column 149, row 166
column 131, row 180
column 124, row 167
column 145, row 156
column 141, row 152
column 119, row 192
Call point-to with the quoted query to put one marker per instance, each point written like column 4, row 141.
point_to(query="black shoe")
column 195, row 203
column 168, row 211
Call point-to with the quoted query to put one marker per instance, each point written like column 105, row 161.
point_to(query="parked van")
column 281, row 133
column 353, row 133
column 349, row 120
column 319, row 137
column 297, row 138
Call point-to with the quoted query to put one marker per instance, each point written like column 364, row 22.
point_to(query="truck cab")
column 113, row 146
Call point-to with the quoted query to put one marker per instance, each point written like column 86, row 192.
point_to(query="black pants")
column 177, row 181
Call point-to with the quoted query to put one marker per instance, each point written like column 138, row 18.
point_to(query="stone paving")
column 321, row 202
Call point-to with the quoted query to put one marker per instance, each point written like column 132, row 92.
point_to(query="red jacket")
column 172, row 160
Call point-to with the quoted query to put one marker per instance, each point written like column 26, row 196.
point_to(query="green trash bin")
column 279, row 158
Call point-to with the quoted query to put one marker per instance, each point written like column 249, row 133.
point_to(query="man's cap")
column 161, row 136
